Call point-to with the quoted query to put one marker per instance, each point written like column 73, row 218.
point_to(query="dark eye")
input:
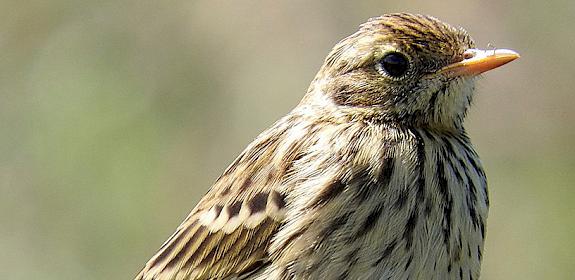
column 394, row 64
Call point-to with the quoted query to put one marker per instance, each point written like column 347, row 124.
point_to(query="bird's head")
column 404, row 68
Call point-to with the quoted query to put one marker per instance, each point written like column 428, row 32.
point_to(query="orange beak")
column 478, row 61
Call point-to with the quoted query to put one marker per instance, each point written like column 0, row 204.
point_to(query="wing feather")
column 229, row 231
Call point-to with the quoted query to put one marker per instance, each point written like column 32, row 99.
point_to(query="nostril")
column 468, row 55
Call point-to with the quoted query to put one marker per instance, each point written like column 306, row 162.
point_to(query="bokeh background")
column 116, row 116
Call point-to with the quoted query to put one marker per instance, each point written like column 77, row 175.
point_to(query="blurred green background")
column 116, row 116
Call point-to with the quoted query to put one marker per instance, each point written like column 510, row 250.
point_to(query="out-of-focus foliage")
column 116, row 116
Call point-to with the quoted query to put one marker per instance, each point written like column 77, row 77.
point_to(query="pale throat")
column 442, row 106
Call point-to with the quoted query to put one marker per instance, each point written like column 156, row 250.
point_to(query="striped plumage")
column 369, row 177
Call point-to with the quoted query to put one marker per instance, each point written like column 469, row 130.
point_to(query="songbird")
column 371, row 176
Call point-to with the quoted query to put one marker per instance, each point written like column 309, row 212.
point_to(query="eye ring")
column 394, row 65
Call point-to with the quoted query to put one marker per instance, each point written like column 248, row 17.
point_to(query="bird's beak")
column 477, row 61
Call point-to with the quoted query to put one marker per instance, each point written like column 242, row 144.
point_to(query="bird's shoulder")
column 229, row 230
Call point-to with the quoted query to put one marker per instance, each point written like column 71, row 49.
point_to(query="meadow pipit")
column 371, row 176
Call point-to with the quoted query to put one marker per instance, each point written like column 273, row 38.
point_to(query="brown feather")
column 209, row 244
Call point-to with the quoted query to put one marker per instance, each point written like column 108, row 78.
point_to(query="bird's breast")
column 381, row 201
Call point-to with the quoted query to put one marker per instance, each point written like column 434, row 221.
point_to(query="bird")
column 371, row 176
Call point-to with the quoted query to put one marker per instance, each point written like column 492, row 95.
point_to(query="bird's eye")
column 394, row 64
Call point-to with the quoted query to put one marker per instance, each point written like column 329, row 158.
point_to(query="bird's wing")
column 228, row 232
